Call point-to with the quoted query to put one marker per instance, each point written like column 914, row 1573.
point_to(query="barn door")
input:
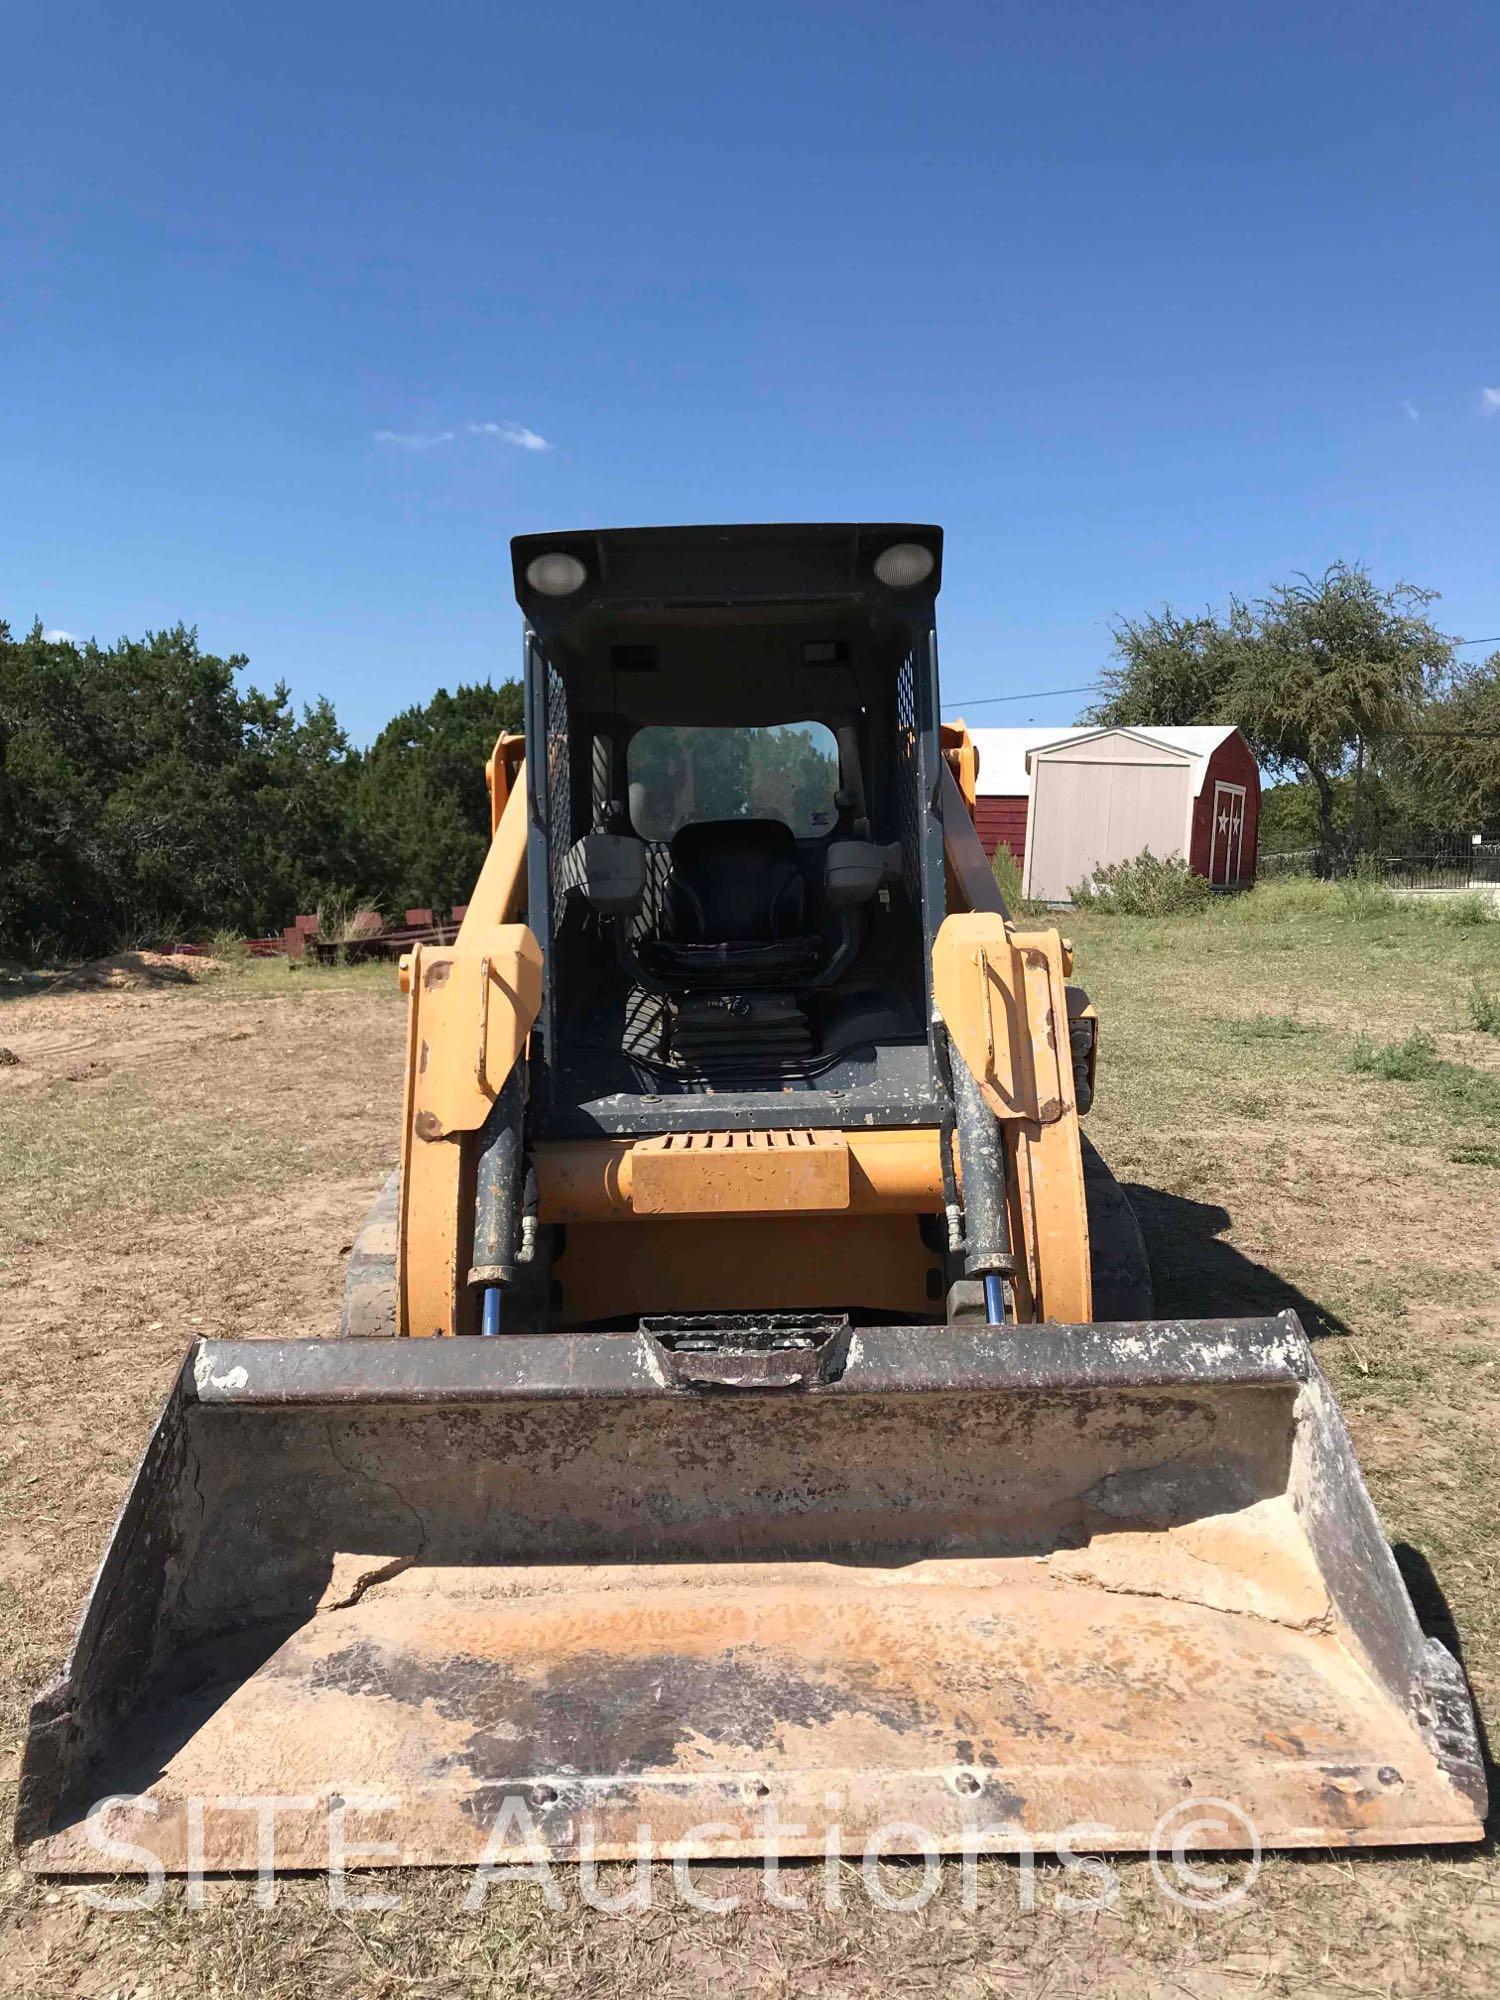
column 1228, row 836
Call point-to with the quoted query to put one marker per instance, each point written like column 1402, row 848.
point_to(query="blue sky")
column 307, row 309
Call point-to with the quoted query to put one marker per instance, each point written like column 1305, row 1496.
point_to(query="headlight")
column 558, row 575
column 904, row 564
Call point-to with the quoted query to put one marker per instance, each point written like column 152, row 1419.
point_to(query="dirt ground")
column 187, row 1152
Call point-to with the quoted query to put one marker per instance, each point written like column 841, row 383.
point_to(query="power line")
column 1091, row 687
column 1038, row 694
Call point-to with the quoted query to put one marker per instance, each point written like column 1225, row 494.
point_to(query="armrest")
column 609, row 872
column 854, row 869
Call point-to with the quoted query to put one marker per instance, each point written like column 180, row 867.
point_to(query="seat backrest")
column 735, row 881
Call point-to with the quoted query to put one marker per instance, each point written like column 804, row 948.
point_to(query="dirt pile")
column 133, row 970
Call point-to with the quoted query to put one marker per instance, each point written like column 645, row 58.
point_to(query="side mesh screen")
column 559, row 785
column 908, row 781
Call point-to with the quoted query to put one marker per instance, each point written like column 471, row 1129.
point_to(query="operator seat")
column 736, row 908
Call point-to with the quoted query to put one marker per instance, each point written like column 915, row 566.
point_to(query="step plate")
column 740, row 1173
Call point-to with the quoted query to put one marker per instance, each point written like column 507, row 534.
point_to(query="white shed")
column 1100, row 796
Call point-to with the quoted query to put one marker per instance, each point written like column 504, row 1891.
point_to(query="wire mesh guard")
column 559, row 784
column 908, row 779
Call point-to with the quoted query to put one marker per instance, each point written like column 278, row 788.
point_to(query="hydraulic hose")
column 947, row 1126
column 981, row 1152
column 497, row 1200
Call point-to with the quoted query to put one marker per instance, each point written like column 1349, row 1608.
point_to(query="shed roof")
column 1003, row 752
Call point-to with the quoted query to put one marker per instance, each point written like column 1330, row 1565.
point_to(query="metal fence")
column 1456, row 861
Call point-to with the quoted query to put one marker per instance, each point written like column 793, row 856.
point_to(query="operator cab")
column 732, row 749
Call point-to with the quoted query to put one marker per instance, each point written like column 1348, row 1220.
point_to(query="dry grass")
column 215, row 1154
column 1276, row 1171
column 144, row 1104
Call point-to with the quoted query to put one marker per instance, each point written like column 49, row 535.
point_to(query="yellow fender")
column 1002, row 994
column 470, row 1007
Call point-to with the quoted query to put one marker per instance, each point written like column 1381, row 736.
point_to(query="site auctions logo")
column 898, row 1866
column 1192, row 1824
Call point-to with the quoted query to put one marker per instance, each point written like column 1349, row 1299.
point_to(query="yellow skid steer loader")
column 748, row 1410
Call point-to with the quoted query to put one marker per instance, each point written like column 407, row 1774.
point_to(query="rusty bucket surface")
column 976, row 1585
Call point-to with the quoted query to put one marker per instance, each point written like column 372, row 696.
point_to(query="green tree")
column 1321, row 674
column 1171, row 670
column 421, row 809
column 295, row 791
column 1339, row 666
column 143, row 794
column 1288, row 818
column 1446, row 772
column 47, row 805
column 110, row 795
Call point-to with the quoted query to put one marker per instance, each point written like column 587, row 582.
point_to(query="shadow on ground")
column 1197, row 1275
column 21, row 983
column 1435, row 1616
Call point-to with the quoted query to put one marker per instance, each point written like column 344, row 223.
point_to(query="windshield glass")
column 678, row 775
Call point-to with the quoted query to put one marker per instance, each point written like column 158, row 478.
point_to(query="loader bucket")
column 971, row 1586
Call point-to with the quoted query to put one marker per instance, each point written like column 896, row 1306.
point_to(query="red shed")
column 1066, row 801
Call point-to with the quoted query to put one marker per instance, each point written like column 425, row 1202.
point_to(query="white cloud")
column 520, row 435
column 414, row 440
column 1489, row 401
column 59, row 637
column 1411, row 410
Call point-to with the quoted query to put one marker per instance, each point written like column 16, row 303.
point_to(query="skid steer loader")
column 749, row 1405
